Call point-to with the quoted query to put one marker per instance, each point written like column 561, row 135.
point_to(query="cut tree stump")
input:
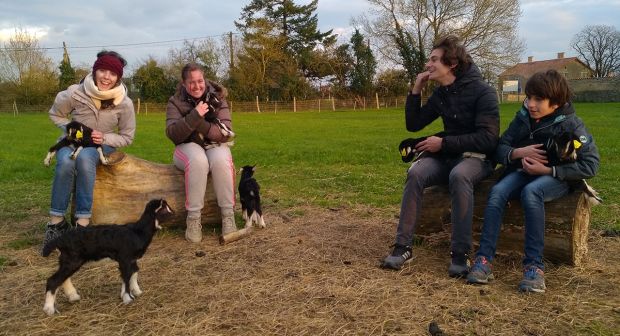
column 124, row 187
column 567, row 221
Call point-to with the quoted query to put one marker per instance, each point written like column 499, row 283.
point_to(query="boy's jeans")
column 83, row 169
column 533, row 191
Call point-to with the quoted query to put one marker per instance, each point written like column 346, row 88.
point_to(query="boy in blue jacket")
column 530, row 176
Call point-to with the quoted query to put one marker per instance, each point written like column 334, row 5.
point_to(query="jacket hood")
column 469, row 75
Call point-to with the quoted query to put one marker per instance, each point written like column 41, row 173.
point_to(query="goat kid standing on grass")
column 122, row 243
column 100, row 102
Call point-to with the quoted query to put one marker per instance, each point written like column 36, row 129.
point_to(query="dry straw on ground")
column 311, row 272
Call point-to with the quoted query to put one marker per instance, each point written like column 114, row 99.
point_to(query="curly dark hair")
column 454, row 53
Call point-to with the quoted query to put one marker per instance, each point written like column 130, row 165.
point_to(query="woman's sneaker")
column 399, row 257
column 480, row 272
column 533, row 280
column 53, row 231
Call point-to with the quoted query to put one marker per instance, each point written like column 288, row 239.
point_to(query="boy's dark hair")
column 454, row 53
column 551, row 85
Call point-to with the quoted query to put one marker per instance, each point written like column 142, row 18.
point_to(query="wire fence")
column 260, row 106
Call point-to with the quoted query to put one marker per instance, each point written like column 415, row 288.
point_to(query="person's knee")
column 459, row 180
column 532, row 195
column 198, row 163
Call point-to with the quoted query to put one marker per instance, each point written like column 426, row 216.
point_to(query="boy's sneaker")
column 53, row 231
column 399, row 257
column 459, row 265
column 533, row 280
column 480, row 272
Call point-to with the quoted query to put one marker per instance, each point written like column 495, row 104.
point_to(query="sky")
column 138, row 29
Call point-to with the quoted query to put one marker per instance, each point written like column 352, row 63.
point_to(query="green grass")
column 320, row 158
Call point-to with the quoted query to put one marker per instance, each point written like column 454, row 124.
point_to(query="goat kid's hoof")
column 50, row 310
column 127, row 298
column 74, row 297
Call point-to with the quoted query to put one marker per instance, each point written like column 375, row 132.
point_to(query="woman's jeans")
column 533, row 191
column 82, row 171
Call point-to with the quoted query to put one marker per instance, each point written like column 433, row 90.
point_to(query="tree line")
column 279, row 53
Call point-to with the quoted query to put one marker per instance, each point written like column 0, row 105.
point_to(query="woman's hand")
column 97, row 137
column 202, row 108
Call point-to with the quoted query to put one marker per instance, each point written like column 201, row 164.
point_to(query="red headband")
column 109, row 62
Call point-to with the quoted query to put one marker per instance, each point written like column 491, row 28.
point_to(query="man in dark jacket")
column 460, row 157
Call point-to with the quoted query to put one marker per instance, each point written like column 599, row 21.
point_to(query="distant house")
column 513, row 79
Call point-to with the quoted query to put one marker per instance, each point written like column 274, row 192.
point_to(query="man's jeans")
column 83, row 169
column 533, row 191
column 461, row 174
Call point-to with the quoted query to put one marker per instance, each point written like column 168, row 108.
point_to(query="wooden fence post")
column 146, row 108
column 333, row 105
column 319, row 104
column 257, row 105
column 138, row 106
column 15, row 110
column 294, row 104
column 377, row 99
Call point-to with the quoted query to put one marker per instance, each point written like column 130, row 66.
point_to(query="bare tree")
column 599, row 47
column 28, row 71
column 488, row 29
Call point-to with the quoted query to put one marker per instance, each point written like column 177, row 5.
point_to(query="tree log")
column 123, row 188
column 567, row 221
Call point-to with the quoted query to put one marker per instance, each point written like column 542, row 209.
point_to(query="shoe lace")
column 480, row 264
column 532, row 272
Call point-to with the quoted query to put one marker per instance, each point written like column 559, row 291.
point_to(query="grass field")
column 331, row 184
column 320, row 158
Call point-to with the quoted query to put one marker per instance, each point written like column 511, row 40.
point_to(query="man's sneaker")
column 480, row 272
column 53, row 231
column 533, row 280
column 399, row 257
column 459, row 265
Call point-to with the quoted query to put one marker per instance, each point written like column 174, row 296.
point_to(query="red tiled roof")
column 529, row 68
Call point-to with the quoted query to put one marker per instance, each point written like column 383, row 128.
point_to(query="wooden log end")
column 233, row 236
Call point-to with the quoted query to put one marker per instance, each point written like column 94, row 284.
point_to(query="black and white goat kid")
column 407, row 149
column 564, row 148
column 212, row 100
column 122, row 243
column 249, row 194
column 78, row 135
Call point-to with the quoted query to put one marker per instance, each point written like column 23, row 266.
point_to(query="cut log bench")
column 567, row 221
column 123, row 188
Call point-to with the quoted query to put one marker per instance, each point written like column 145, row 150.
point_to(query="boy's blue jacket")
column 565, row 120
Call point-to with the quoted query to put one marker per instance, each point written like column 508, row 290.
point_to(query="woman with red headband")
column 100, row 102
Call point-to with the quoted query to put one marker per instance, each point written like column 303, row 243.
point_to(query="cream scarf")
column 117, row 93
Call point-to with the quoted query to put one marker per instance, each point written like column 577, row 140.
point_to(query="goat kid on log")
column 249, row 194
column 79, row 136
column 122, row 243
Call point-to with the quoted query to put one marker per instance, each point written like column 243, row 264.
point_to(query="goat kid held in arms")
column 101, row 103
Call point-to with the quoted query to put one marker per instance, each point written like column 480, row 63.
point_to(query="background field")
column 332, row 183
